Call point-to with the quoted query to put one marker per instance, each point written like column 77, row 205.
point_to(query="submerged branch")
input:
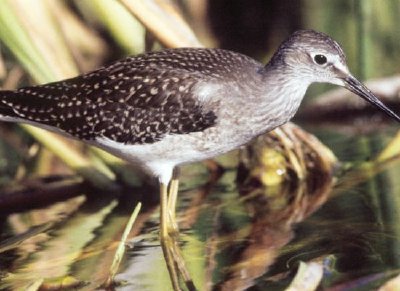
column 40, row 191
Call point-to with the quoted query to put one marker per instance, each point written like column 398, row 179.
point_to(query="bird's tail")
column 5, row 109
column 24, row 105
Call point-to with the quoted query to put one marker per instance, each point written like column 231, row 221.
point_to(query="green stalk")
column 127, row 31
column 364, row 11
column 15, row 37
column 41, row 49
column 122, row 245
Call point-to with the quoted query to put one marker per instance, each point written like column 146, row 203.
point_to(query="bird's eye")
column 320, row 59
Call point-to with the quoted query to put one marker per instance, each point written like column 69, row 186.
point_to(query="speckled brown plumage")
column 163, row 109
column 133, row 101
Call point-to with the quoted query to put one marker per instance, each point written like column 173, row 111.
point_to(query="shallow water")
column 249, row 240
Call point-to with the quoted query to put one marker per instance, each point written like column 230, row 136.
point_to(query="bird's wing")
column 133, row 101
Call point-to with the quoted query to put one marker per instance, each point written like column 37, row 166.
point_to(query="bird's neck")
column 268, row 100
column 282, row 91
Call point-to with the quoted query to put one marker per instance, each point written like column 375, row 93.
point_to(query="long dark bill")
column 358, row 88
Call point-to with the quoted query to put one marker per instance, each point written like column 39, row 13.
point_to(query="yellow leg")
column 167, row 244
column 168, row 234
column 172, row 197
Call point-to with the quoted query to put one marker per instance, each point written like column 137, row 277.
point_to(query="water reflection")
column 232, row 239
column 274, row 209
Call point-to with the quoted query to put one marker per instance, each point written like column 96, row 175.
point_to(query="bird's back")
column 137, row 100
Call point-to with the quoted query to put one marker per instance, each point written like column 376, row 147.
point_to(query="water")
column 249, row 240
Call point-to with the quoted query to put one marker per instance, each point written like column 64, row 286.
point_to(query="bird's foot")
column 175, row 261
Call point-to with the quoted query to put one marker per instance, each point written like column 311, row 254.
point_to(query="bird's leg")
column 180, row 264
column 167, row 243
column 173, row 257
column 172, row 198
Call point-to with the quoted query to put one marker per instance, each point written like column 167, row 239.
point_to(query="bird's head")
column 315, row 57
